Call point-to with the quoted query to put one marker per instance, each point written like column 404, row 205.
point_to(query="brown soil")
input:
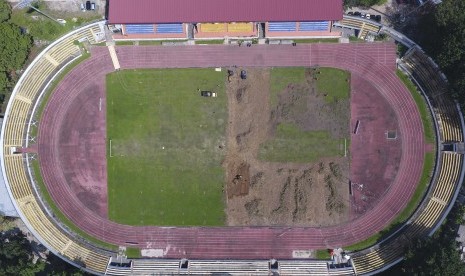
column 273, row 193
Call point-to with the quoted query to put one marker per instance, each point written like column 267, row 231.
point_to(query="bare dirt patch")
column 278, row 193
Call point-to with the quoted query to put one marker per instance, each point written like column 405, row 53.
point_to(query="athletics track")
column 73, row 108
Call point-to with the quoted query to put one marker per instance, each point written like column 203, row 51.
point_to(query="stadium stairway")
column 364, row 26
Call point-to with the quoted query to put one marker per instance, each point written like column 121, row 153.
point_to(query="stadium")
column 63, row 152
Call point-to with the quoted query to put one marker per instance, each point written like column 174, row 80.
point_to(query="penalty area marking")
column 110, row 149
column 100, row 105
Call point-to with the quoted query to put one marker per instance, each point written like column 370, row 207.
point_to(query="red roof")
column 193, row 11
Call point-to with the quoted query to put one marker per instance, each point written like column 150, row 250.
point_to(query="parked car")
column 372, row 16
column 92, row 6
column 243, row 74
column 378, row 18
column 83, row 7
column 367, row 16
column 357, row 13
column 350, row 13
column 88, row 5
column 207, row 94
column 363, row 15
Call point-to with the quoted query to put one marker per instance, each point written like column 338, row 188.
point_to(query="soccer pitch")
column 165, row 145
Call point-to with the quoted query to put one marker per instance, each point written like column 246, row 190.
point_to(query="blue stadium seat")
column 139, row 29
column 169, row 28
column 314, row 26
column 282, row 26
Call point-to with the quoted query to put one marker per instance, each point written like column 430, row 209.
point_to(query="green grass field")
column 333, row 82
column 280, row 78
column 164, row 162
column 292, row 144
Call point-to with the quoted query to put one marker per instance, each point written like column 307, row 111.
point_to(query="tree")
column 362, row 3
column 15, row 255
column 5, row 11
column 3, row 82
column 14, row 47
column 441, row 33
column 430, row 257
column 57, row 267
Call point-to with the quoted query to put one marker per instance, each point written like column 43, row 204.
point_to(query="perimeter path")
column 374, row 62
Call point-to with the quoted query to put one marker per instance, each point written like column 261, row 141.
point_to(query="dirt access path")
column 275, row 193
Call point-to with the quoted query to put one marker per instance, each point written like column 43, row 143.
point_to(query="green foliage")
column 362, row 3
column 5, row 11
column 15, row 255
column 6, row 223
column 57, row 267
column 437, row 255
column 14, row 47
column 441, row 33
column 3, row 81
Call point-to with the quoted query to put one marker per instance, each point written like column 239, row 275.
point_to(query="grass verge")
column 133, row 252
column 425, row 115
column 124, row 42
column 164, row 161
column 317, row 40
column 322, row 254
column 406, row 212
column 213, row 41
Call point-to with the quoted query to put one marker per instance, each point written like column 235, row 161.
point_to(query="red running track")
column 60, row 126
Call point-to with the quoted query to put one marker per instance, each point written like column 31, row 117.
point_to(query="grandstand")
column 14, row 162
column 364, row 26
column 229, row 267
column 210, row 19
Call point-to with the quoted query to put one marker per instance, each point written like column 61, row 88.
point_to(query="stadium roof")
column 193, row 11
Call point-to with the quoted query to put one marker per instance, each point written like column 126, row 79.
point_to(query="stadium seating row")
column 224, row 267
column 313, row 26
column 282, row 26
column 149, row 28
column 430, row 79
column 169, row 28
column 26, row 92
